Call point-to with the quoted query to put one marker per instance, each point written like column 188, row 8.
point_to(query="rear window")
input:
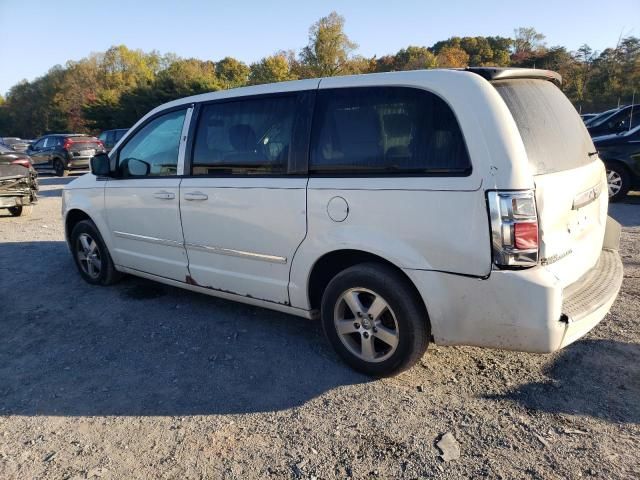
column 553, row 133
column 84, row 143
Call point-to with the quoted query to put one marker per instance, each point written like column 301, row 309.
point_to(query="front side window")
column 386, row 130
column 153, row 150
column 243, row 137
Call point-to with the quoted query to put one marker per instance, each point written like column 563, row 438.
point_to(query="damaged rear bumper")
column 18, row 186
column 525, row 310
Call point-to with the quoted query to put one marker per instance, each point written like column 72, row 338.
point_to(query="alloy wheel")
column 614, row 182
column 366, row 325
column 88, row 254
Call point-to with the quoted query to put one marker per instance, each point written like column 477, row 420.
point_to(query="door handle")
column 164, row 195
column 195, row 196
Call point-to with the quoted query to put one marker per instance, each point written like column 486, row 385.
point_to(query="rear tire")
column 21, row 211
column 91, row 256
column 58, row 166
column 618, row 181
column 389, row 331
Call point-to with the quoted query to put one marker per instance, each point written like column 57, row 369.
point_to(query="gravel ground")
column 147, row 381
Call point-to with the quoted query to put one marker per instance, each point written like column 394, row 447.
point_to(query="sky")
column 38, row 34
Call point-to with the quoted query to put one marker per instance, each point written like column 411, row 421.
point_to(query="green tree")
column 414, row 58
column 329, row 49
column 232, row 73
column 452, row 57
column 275, row 68
column 527, row 43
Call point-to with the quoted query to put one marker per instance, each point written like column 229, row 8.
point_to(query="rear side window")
column 386, row 130
column 553, row 133
column 240, row 137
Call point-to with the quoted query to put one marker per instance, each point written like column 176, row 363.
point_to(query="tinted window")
column 553, row 133
column 386, row 129
column 157, row 144
column 244, row 137
column 118, row 135
column 628, row 120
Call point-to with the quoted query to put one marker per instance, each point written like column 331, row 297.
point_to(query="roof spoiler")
column 491, row 73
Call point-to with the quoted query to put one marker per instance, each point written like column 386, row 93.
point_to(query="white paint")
column 280, row 227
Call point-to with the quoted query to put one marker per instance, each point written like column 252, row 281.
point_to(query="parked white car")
column 463, row 207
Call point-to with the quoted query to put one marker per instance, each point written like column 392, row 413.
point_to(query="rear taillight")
column 514, row 228
column 22, row 161
column 100, row 145
column 67, row 143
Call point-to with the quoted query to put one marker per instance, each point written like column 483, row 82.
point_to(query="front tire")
column 21, row 211
column 91, row 256
column 618, row 182
column 58, row 166
column 374, row 319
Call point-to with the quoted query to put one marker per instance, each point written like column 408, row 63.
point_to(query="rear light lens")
column 514, row 228
column 22, row 161
column 67, row 143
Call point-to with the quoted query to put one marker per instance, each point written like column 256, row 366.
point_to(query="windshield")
column 601, row 118
column 553, row 133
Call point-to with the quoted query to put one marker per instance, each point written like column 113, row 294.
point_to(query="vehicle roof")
column 386, row 78
column 66, row 135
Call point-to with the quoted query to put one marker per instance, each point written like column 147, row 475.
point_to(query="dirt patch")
column 146, row 381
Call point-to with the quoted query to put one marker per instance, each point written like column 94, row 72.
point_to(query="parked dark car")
column 620, row 120
column 110, row 137
column 621, row 155
column 600, row 116
column 64, row 152
column 588, row 116
column 8, row 155
column 18, row 182
column 15, row 143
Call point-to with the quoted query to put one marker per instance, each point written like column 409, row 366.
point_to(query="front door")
column 39, row 154
column 243, row 215
column 142, row 204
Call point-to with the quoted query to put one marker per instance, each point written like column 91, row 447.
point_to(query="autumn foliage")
column 113, row 89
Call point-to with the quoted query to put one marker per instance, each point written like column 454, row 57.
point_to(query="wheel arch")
column 331, row 263
column 72, row 218
column 615, row 161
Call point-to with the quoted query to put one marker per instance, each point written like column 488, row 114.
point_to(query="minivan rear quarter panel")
column 417, row 222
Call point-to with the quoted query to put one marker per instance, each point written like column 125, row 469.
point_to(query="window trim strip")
column 184, row 136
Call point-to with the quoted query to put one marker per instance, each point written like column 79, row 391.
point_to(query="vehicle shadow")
column 141, row 348
column 47, row 180
column 597, row 378
column 54, row 192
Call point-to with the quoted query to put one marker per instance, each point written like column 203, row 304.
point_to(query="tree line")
column 115, row 88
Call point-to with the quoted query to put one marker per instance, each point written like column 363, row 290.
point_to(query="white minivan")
column 462, row 207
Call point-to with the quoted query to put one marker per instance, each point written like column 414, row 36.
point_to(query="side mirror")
column 100, row 165
column 132, row 167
